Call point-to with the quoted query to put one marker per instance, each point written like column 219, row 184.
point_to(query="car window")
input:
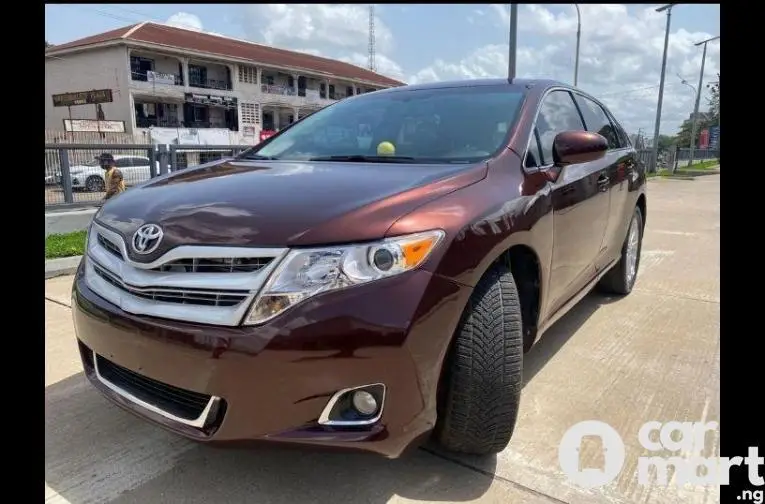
column 140, row 161
column 533, row 155
column 624, row 138
column 597, row 121
column 122, row 162
column 556, row 115
column 462, row 124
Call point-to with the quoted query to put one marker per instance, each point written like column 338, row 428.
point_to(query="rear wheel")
column 483, row 374
column 621, row 278
column 94, row 183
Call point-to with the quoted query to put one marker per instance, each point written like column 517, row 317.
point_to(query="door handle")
column 603, row 181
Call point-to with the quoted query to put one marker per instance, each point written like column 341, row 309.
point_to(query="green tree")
column 714, row 99
column 47, row 44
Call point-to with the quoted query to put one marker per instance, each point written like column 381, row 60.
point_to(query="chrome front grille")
column 109, row 246
column 175, row 295
column 194, row 283
column 216, row 265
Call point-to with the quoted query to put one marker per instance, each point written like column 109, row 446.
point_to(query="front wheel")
column 621, row 278
column 94, row 183
column 483, row 374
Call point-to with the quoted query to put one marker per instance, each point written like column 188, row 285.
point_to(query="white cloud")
column 337, row 31
column 185, row 20
column 620, row 57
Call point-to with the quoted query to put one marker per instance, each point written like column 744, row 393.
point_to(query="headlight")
column 305, row 273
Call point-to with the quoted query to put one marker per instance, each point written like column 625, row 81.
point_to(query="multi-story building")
column 162, row 76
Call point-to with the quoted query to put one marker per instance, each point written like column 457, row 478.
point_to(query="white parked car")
column 90, row 176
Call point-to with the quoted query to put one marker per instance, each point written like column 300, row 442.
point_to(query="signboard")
column 248, row 131
column 266, row 134
column 714, row 137
column 160, row 78
column 190, row 136
column 220, row 101
column 91, row 125
column 82, row 98
column 704, row 139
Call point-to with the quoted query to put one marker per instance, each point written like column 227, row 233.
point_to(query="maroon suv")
column 369, row 275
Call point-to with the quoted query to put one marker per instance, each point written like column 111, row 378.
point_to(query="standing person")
column 115, row 183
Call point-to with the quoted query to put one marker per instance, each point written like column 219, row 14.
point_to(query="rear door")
column 580, row 203
column 618, row 162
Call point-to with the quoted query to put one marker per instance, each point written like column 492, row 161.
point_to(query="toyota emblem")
column 147, row 238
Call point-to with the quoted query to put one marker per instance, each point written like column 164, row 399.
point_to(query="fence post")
column 174, row 157
column 66, row 181
column 677, row 158
column 152, row 162
column 164, row 158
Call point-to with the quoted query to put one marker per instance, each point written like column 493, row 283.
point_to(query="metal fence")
column 674, row 158
column 73, row 176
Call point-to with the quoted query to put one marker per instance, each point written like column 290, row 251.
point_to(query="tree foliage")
column 714, row 99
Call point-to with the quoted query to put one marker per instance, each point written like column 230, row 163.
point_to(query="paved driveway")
column 651, row 356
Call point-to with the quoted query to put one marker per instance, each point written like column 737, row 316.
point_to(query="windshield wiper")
column 366, row 159
column 258, row 157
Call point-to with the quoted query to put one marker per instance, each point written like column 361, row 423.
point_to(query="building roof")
column 180, row 38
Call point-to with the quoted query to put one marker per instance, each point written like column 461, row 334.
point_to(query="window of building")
column 250, row 113
column 248, row 74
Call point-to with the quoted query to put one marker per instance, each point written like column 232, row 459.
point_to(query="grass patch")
column 703, row 165
column 65, row 245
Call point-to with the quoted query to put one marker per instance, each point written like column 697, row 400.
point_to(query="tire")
column 483, row 374
column 94, row 183
column 617, row 280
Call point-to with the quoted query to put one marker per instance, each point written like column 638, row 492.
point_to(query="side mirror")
column 573, row 147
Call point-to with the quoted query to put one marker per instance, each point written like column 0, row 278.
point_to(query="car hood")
column 279, row 203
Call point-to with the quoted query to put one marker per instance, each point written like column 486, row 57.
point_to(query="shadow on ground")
column 97, row 453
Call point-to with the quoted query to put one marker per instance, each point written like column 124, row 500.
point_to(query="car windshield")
column 443, row 125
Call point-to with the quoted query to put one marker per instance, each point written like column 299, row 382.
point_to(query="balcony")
column 221, row 85
column 278, row 89
column 148, row 122
column 210, row 76
column 157, row 78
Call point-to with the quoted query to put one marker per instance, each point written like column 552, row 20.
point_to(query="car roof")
column 514, row 84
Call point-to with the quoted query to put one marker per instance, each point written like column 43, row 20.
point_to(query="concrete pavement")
column 653, row 355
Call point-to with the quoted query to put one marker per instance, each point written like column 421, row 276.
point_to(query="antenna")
column 372, row 64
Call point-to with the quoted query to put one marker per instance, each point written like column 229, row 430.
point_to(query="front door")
column 619, row 163
column 580, row 200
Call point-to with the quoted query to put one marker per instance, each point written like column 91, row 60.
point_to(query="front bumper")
column 271, row 382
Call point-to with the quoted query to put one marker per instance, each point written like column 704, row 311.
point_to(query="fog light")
column 364, row 402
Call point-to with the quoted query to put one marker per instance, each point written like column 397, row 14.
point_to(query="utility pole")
column 513, row 41
column 371, row 48
column 694, row 119
column 655, row 154
column 578, row 39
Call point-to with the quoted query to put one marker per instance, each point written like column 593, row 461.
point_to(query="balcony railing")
column 158, row 78
column 277, row 89
column 148, row 122
column 210, row 84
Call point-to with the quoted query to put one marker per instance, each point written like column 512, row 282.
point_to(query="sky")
column 620, row 52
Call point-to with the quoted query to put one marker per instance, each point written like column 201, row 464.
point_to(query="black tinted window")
column 431, row 125
column 533, row 157
column 123, row 162
column 557, row 114
column 597, row 121
column 139, row 161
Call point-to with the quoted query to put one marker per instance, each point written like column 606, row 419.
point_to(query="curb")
column 62, row 266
